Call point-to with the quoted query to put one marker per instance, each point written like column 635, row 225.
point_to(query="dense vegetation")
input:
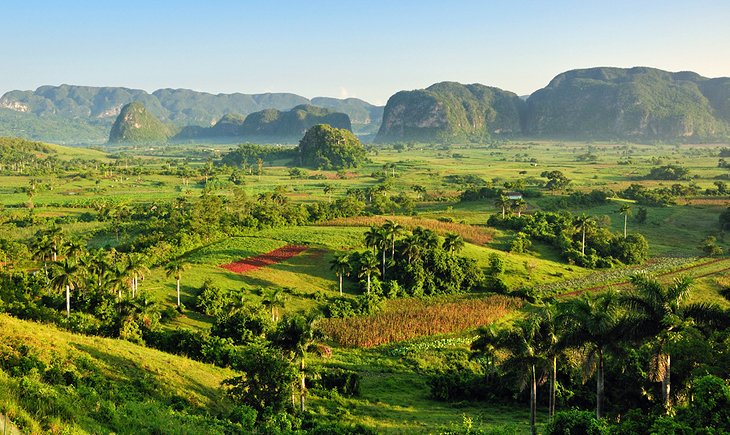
column 269, row 125
column 135, row 124
column 223, row 289
column 328, row 147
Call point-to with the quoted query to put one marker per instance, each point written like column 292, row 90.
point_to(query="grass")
column 134, row 374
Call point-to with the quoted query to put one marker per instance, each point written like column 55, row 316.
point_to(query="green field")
column 145, row 192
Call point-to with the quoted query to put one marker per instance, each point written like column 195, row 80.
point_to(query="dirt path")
column 663, row 274
column 254, row 263
column 7, row 427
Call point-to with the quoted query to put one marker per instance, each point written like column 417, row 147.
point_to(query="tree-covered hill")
column 636, row 103
column 84, row 114
column 135, row 124
column 450, row 111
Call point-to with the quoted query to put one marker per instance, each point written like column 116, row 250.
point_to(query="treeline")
column 658, row 364
column 579, row 239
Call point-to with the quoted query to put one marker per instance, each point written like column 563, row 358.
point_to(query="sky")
column 365, row 49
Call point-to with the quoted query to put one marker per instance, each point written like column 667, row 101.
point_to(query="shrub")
column 575, row 422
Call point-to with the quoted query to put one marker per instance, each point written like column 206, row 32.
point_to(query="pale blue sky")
column 368, row 49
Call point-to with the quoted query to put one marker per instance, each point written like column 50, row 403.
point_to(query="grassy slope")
column 124, row 363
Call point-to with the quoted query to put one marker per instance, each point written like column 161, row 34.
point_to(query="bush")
column 345, row 382
column 575, row 422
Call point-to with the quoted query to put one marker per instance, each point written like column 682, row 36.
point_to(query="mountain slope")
column 269, row 125
column 74, row 114
column 135, row 124
column 636, row 103
column 89, row 384
column 450, row 111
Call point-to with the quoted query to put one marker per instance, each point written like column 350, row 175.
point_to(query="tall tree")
column 453, row 243
column 297, row 335
column 391, row 231
column 368, row 267
column 518, row 204
column 626, row 211
column 592, row 323
column 176, row 268
column 376, row 238
column 65, row 277
column 502, row 202
column 274, row 298
column 340, row 264
column 135, row 269
column 583, row 222
column 521, row 342
column 658, row 312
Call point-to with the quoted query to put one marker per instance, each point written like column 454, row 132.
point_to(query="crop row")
column 406, row 319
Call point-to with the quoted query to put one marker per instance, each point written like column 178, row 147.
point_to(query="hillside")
column 268, row 125
column 450, row 111
column 99, row 385
column 135, row 124
column 84, row 114
column 636, row 103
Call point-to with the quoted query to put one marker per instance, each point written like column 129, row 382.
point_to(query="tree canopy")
column 327, row 147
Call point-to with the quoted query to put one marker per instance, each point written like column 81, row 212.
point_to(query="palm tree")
column 375, row 238
column 657, row 312
column 550, row 333
column 66, row 276
column 391, row 230
column 518, row 204
column 135, row 269
column 453, row 243
column 368, row 266
column 42, row 249
column 55, row 234
column 521, row 343
column 583, row 222
column 427, row 238
column 420, row 190
column 626, row 211
column 274, row 299
column 176, row 268
column 340, row 264
column 502, row 202
column 591, row 323
column 297, row 335
column 411, row 246
column 328, row 190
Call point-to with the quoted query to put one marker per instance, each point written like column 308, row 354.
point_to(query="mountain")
column 637, row 103
column 450, row 111
column 268, row 125
column 365, row 117
column 135, row 124
column 74, row 114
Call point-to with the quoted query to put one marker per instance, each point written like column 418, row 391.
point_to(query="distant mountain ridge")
column 640, row 103
column 268, row 125
column 87, row 112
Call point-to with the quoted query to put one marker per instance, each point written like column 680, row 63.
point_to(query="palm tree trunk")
column 553, row 381
column 302, row 387
column 599, row 386
column 68, row 301
column 503, row 211
column 340, row 274
column 533, row 401
column 178, row 292
column 368, row 283
column 666, row 384
column 384, row 263
column 583, row 245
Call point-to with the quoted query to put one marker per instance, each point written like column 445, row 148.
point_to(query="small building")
column 514, row 195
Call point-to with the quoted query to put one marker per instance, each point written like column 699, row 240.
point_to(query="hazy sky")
column 367, row 49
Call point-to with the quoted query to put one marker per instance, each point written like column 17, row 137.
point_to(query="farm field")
column 254, row 250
